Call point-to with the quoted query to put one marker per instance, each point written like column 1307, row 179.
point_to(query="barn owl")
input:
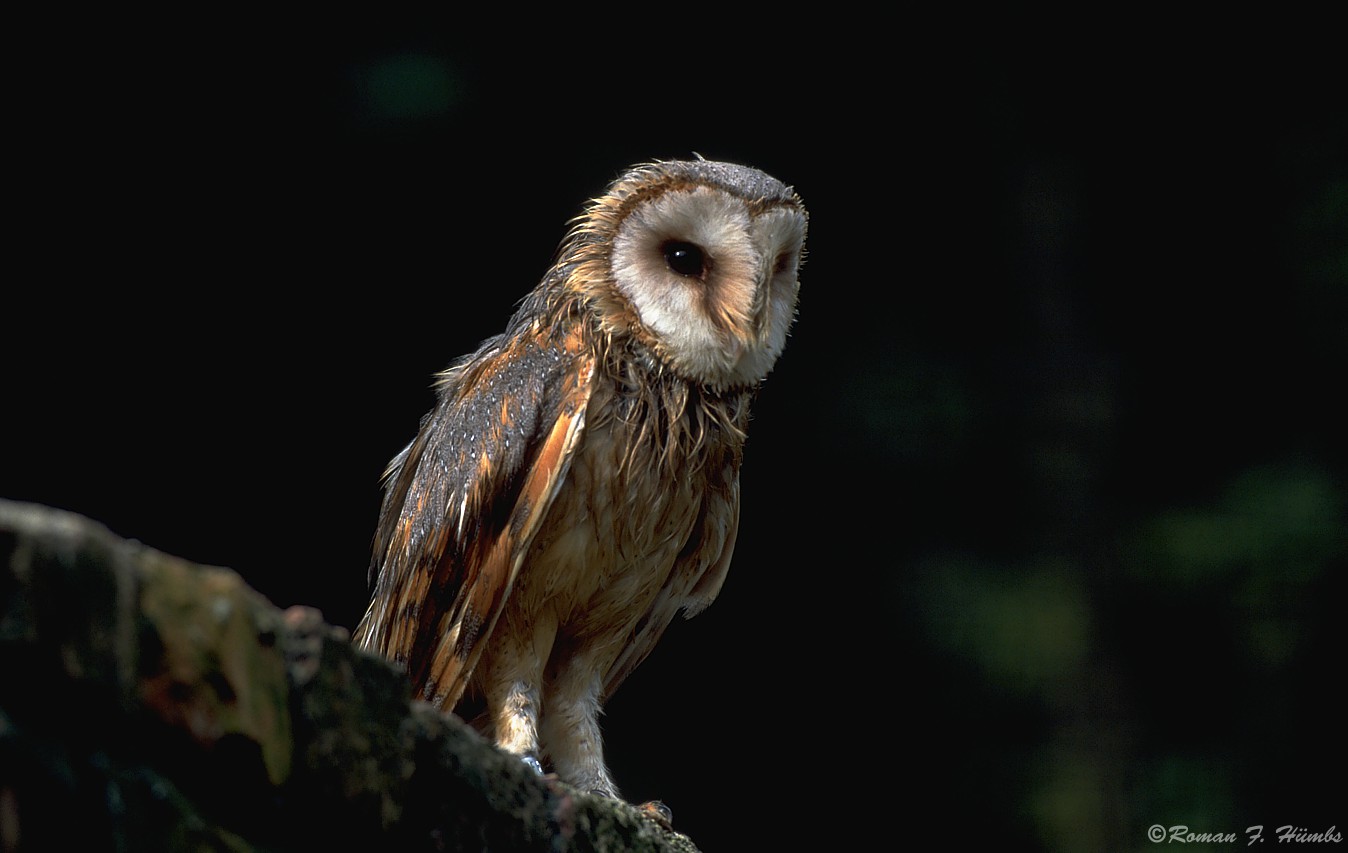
column 576, row 485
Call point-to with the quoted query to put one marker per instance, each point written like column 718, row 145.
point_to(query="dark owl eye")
column 686, row 259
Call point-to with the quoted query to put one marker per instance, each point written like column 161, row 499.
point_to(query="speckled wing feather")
column 464, row 500
column 694, row 582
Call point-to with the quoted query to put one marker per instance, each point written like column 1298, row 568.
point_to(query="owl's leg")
column 515, row 714
column 571, row 734
column 511, row 679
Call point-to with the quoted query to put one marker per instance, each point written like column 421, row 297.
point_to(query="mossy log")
column 150, row 703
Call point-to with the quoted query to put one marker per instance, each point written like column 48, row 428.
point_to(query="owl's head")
column 699, row 263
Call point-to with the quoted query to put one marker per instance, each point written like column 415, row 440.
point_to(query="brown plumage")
column 577, row 483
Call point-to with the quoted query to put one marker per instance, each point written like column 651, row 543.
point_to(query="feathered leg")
column 511, row 680
column 571, row 736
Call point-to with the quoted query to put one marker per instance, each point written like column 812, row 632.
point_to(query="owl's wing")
column 695, row 581
column 464, row 500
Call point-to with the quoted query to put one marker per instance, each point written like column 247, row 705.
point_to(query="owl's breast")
column 618, row 529
column 610, row 540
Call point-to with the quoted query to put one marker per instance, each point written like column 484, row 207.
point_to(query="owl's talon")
column 658, row 812
column 531, row 761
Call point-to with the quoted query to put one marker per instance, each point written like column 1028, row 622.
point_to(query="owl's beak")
column 741, row 339
column 759, row 307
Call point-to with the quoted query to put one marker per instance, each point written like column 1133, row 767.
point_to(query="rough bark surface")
column 150, row 703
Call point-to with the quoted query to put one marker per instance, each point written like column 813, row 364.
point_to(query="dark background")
column 1043, row 530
